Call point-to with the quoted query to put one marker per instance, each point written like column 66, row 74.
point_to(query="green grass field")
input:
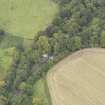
column 6, row 58
column 26, row 17
column 41, row 92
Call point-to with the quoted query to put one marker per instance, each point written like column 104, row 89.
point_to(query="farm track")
column 79, row 79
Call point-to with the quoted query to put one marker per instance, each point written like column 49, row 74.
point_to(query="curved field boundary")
column 79, row 79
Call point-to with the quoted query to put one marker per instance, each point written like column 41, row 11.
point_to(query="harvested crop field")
column 79, row 79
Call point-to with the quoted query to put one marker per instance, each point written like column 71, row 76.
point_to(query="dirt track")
column 79, row 79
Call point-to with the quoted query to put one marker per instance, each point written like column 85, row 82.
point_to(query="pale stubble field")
column 79, row 79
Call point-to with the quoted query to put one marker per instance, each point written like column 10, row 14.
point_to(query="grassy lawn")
column 6, row 58
column 26, row 17
column 41, row 92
